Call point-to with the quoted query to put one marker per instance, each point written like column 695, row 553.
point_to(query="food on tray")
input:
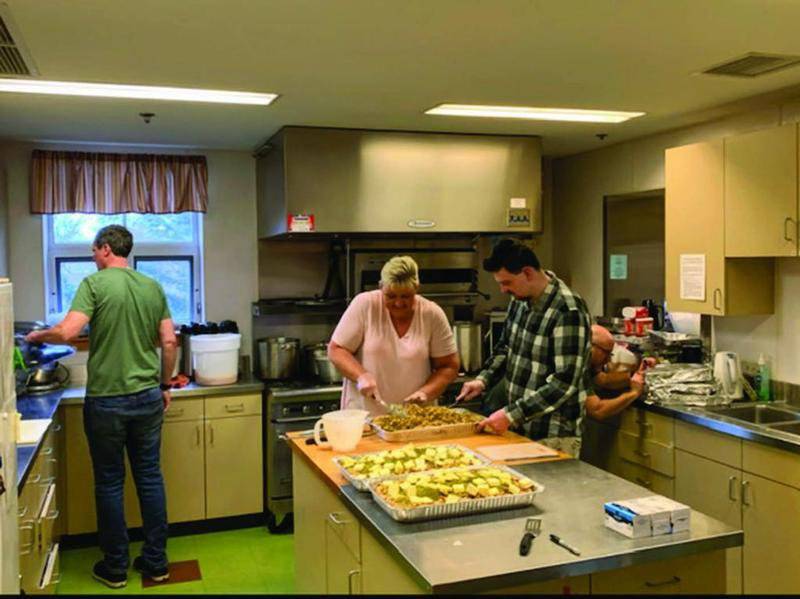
column 407, row 459
column 424, row 416
column 451, row 486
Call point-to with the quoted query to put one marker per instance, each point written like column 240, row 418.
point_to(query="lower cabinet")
column 334, row 554
column 211, row 461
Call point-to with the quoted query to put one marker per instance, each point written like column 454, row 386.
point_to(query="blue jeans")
column 131, row 422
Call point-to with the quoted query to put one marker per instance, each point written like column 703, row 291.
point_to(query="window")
column 166, row 247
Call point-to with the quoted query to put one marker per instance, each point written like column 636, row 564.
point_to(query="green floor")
column 238, row 561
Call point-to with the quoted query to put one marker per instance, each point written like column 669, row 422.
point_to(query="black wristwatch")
column 165, row 386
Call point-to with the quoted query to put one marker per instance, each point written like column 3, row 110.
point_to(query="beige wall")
column 582, row 181
column 3, row 220
column 230, row 248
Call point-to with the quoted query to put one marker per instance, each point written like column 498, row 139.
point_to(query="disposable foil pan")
column 427, row 433
column 362, row 484
column 461, row 508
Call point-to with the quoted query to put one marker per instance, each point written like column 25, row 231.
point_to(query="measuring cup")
column 342, row 427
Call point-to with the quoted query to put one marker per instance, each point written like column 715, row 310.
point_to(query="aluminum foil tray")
column 462, row 508
column 445, row 431
column 362, row 484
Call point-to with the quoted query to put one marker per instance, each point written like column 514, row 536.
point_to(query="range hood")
column 350, row 181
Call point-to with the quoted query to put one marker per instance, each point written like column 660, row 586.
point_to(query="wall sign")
column 618, row 267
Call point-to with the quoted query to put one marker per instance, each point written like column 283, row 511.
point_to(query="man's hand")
column 417, row 397
column 367, row 385
column 498, row 422
column 34, row 337
column 167, row 396
column 471, row 389
column 637, row 384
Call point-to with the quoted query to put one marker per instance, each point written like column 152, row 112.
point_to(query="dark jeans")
column 131, row 422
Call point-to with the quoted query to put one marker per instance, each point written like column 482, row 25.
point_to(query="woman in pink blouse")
column 393, row 344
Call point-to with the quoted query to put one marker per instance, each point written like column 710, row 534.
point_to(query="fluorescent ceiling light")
column 142, row 92
column 536, row 114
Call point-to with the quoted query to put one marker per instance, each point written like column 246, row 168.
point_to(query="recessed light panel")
column 141, row 92
column 532, row 113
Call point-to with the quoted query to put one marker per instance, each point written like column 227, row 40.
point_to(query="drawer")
column 644, row 452
column 697, row 574
column 648, row 425
column 50, row 573
column 649, row 479
column 233, row 405
column 708, row 444
column 185, row 409
column 775, row 464
column 347, row 528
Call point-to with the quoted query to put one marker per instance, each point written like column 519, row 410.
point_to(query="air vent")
column 14, row 57
column 754, row 64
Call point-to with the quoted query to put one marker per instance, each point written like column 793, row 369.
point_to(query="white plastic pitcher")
column 342, row 427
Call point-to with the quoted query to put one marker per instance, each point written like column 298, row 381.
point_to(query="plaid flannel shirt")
column 544, row 353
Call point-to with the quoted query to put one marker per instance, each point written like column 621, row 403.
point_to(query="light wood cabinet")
column 695, row 220
column 233, row 466
column 212, row 466
column 182, row 465
column 342, row 568
column 713, row 489
column 761, row 193
column 771, row 522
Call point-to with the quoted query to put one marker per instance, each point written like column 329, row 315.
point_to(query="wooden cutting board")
column 516, row 451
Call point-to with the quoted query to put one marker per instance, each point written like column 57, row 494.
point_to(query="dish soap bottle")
column 762, row 380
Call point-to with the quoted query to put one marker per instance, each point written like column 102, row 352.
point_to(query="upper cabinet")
column 696, row 211
column 761, row 193
column 359, row 181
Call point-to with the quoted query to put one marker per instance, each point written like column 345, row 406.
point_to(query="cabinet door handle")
column 663, row 583
column 47, row 451
column 35, row 479
column 350, row 575
column 197, row 431
column 786, row 221
column 732, row 488
column 745, row 494
column 53, row 516
column 644, row 482
column 58, row 428
column 48, row 481
column 235, row 408
column 27, row 548
column 641, row 453
column 211, row 434
column 717, row 293
column 334, row 517
column 21, row 513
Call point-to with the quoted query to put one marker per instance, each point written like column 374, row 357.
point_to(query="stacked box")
column 646, row 516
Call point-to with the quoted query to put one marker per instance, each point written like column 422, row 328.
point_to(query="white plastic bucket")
column 215, row 358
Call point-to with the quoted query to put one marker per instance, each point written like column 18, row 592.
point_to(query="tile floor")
column 249, row 560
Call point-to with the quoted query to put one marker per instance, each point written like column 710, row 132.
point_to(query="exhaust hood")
column 349, row 181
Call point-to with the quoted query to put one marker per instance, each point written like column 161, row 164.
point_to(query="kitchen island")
column 345, row 543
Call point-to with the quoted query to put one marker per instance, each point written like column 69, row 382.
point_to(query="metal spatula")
column 532, row 528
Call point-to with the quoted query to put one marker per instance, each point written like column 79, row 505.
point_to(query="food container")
column 362, row 484
column 444, row 431
column 215, row 358
column 644, row 326
column 460, row 508
column 278, row 357
column 630, row 326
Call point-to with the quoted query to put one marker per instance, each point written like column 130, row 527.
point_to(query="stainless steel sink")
column 758, row 414
column 791, row 427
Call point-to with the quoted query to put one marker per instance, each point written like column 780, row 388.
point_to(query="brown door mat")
column 178, row 572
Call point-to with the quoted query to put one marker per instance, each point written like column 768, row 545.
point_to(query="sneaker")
column 115, row 581
column 157, row 575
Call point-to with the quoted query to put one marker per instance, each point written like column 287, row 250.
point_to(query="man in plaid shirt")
column 542, row 355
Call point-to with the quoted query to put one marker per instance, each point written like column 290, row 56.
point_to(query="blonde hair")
column 400, row 271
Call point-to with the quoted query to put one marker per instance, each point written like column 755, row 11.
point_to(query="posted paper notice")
column 693, row 277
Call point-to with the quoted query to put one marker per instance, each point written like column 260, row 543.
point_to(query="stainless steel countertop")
column 75, row 395
column 479, row 553
column 758, row 433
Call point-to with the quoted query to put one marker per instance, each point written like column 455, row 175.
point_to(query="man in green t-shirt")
column 127, row 393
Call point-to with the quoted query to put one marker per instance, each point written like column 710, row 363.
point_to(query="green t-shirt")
column 125, row 309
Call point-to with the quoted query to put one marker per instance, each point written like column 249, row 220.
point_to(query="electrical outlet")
column 749, row 368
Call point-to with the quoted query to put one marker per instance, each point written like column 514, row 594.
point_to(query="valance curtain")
column 113, row 183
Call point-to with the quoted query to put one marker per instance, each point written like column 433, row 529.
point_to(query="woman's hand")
column 417, row 397
column 367, row 385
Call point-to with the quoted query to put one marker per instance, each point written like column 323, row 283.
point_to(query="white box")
column 646, row 516
column 679, row 514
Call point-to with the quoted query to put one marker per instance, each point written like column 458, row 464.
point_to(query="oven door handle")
column 294, row 420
